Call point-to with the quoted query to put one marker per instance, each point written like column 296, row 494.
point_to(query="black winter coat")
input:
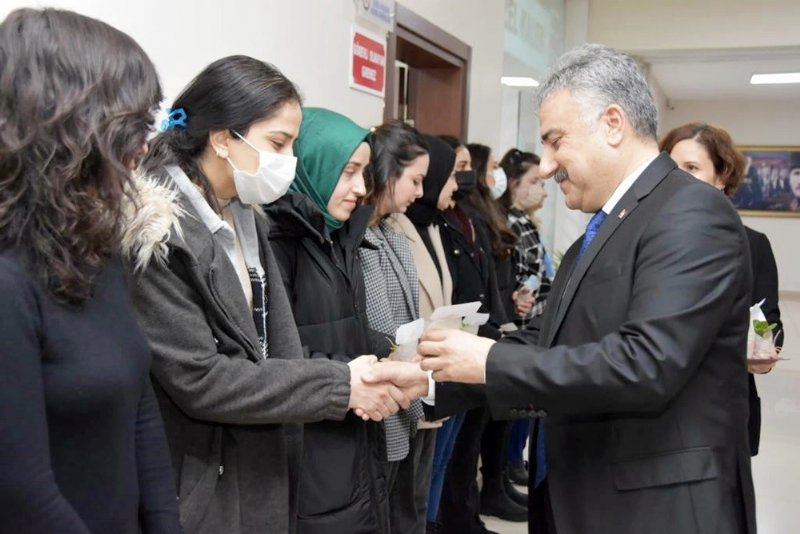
column 472, row 269
column 506, row 270
column 341, row 482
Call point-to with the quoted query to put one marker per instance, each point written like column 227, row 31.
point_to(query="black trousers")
column 459, row 511
column 540, row 513
column 494, row 449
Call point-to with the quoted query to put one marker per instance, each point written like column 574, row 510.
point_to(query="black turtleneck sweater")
column 82, row 447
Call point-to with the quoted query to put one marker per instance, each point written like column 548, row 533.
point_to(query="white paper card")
column 476, row 319
column 456, row 310
column 409, row 332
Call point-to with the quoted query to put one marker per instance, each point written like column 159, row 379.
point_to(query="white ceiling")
column 699, row 49
column 722, row 75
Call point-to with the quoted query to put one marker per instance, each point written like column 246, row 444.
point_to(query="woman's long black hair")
column 231, row 93
column 395, row 145
column 504, row 240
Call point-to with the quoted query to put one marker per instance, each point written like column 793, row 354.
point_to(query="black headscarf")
column 442, row 159
column 423, row 212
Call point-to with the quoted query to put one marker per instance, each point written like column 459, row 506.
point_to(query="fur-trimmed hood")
column 152, row 217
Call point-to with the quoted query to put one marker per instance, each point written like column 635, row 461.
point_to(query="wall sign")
column 367, row 62
column 378, row 12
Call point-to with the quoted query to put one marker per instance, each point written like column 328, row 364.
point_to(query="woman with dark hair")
column 709, row 154
column 316, row 232
column 396, row 171
column 483, row 200
column 83, row 447
column 228, row 362
column 491, row 176
column 479, row 245
column 524, row 195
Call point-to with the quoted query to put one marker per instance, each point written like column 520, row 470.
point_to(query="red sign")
column 368, row 62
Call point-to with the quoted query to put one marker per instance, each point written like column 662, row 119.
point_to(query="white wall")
column 510, row 134
column 755, row 123
column 479, row 24
column 307, row 39
column 567, row 225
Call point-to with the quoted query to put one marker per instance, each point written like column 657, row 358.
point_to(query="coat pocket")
column 198, row 483
column 676, row 467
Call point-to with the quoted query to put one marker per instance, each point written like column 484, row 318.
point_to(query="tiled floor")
column 776, row 470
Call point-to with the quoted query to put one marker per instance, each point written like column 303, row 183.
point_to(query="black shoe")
column 518, row 474
column 515, row 495
column 501, row 506
column 433, row 527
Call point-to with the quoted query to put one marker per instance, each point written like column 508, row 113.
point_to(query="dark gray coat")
column 230, row 416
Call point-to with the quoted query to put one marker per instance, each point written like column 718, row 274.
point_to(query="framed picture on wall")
column 771, row 184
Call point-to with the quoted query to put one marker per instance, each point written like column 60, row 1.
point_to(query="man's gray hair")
column 598, row 76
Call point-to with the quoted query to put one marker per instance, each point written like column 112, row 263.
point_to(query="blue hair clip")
column 175, row 117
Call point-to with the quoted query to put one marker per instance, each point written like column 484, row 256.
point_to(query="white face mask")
column 500, row 183
column 270, row 182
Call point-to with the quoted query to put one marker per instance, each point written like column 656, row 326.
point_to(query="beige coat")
column 433, row 290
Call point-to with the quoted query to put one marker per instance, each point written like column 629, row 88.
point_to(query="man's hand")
column 455, row 356
column 407, row 376
column 373, row 401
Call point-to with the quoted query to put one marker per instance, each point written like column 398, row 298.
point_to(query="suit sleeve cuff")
column 430, row 399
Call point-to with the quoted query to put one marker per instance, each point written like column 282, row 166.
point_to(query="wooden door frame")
column 423, row 34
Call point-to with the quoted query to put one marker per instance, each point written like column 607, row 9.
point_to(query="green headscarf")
column 323, row 148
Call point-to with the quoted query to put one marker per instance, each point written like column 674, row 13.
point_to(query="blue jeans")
column 443, row 450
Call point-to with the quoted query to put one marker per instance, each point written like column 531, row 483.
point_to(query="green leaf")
column 762, row 328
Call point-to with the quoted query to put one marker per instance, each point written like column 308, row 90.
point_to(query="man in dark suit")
column 637, row 367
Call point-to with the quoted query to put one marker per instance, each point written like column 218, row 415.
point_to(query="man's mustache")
column 560, row 175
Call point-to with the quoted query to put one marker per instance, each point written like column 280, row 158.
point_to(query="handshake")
column 379, row 389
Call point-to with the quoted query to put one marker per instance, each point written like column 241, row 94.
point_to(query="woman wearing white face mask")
column 494, row 175
column 227, row 359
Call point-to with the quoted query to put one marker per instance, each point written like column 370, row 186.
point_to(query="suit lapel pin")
column 622, row 213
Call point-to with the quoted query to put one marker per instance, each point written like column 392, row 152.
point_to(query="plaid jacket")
column 392, row 290
column 529, row 257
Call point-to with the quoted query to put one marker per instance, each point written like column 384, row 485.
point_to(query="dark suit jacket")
column 765, row 286
column 642, row 370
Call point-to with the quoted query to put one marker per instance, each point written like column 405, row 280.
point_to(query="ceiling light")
column 778, row 77
column 519, row 81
